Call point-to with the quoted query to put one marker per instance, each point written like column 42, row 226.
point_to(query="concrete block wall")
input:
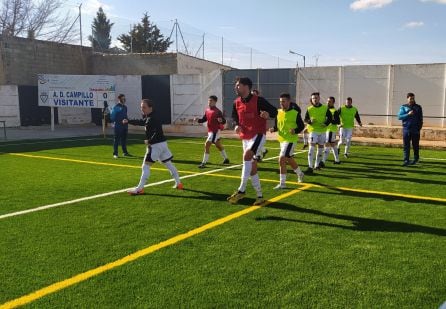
column 379, row 89
column 134, row 64
column 191, row 65
column 23, row 59
column 9, row 105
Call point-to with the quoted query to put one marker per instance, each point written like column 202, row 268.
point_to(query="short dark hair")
column 410, row 95
column 121, row 95
column 244, row 81
column 285, row 95
column 315, row 93
column 349, row 99
column 332, row 98
column 147, row 102
column 213, row 97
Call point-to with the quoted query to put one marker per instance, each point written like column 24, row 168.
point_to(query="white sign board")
column 84, row 91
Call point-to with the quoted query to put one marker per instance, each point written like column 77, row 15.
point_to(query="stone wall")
column 394, row 132
column 134, row 64
column 23, row 59
column 191, row 65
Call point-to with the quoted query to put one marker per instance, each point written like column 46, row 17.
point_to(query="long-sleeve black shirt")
column 262, row 105
column 153, row 127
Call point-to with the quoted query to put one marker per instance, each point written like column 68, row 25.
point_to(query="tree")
column 101, row 27
column 36, row 19
column 145, row 37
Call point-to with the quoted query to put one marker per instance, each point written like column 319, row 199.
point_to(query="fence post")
column 443, row 120
column 390, row 82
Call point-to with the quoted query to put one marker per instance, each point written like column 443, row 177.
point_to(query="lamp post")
column 294, row 53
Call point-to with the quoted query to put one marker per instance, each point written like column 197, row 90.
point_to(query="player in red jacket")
column 215, row 122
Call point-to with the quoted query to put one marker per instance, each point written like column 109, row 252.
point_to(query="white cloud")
column 369, row 4
column 436, row 1
column 91, row 7
column 414, row 24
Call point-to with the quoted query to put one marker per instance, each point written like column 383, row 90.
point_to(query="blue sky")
column 335, row 32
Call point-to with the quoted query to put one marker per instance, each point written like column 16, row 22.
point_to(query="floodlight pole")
column 294, row 53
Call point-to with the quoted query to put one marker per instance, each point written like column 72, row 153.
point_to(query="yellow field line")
column 410, row 196
column 90, row 162
column 138, row 254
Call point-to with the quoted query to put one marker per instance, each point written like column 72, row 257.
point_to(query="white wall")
column 379, row 89
column 190, row 93
column 130, row 86
column 9, row 105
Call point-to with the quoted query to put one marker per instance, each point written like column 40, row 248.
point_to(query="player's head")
column 410, row 98
column 255, row 92
column 146, row 106
column 315, row 98
column 212, row 100
column 349, row 101
column 243, row 86
column 285, row 100
column 121, row 98
column 331, row 102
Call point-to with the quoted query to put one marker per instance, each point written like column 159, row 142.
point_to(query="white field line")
column 435, row 159
column 40, row 208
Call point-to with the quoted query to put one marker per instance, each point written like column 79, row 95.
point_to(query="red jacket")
column 210, row 115
column 249, row 119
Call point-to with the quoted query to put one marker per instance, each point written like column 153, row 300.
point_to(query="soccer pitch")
column 367, row 233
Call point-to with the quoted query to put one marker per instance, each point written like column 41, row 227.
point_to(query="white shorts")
column 287, row 149
column 255, row 144
column 158, row 152
column 317, row 138
column 346, row 133
column 213, row 137
column 330, row 137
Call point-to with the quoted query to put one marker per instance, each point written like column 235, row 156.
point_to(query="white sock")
column 298, row 171
column 246, row 173
column 340, row 143
column 205, row 158
column 173, row 172
column 282, row 179
column 255, row 180
column 347, row 146
column 144, row 176
column 305, row 139
column 334, row 149
column 319, row 155
column 326, row 153
column 310, row 156
column 223, row 154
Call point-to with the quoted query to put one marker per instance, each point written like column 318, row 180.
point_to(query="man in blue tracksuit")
column 118, row 114
column 412, row 116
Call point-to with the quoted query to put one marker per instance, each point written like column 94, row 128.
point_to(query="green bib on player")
column 286, row 120
column 332, row 127
column 318, row 117
column 348, row 116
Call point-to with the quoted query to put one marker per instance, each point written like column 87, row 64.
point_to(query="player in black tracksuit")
column 157, row 149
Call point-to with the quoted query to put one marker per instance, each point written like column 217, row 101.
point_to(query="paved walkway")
column 44, row 132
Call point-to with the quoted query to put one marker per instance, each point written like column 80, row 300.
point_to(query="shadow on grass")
column 357, row 223
column 205, row 196
column 371, row 195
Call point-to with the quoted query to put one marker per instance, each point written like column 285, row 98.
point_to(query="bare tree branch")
column 37, row 19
